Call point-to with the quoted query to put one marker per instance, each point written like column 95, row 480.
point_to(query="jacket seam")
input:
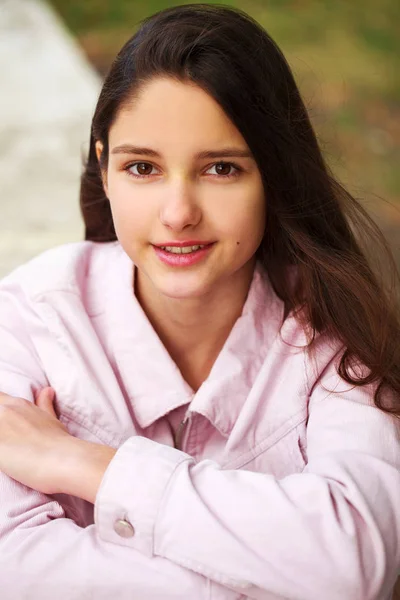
column 98, row 432
column 41, row 296
column 263, row 446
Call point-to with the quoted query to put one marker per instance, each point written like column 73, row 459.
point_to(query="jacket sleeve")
column 43, row 554
column 332, row 531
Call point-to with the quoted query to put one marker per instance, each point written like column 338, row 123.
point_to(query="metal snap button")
column 124, row 528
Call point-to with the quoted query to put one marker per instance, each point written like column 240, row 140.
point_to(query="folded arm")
column 329, row 532
column 44, row 554
column 200, row 531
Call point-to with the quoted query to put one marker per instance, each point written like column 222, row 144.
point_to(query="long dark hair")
column 312, row 222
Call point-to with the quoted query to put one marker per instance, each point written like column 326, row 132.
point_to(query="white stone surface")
column 48, row 93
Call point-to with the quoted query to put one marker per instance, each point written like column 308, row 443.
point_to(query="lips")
column 182, row 259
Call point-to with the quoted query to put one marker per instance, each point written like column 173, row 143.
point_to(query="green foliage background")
column 346, row 59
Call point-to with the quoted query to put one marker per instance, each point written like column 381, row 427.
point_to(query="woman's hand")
column 32, row 441
column 37, row 450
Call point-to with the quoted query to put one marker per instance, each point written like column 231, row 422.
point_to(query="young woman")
column 200, row 401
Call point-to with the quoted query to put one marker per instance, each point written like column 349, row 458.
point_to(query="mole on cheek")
column 238, row 243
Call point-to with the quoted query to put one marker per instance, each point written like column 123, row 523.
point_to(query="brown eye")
column 223, row 168
column 143, row 168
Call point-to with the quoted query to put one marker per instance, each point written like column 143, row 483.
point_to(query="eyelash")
column 231, row 164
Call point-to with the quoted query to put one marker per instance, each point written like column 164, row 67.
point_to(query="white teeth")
column 181, row 250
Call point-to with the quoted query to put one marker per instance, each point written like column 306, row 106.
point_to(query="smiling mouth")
column 183, row 254
column 182, row 249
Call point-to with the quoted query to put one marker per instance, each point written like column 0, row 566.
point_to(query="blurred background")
column 345, row 57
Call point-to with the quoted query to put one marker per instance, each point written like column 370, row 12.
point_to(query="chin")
column 182, row 288
column 182, row 292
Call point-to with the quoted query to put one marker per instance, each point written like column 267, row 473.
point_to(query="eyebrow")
column 226, row 152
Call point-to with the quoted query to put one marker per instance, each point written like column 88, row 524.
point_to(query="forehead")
column 167, row 110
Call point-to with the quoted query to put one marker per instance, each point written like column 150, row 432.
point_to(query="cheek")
column 128, row 210
column 244, row 220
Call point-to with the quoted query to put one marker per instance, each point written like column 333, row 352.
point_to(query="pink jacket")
column 278, row 488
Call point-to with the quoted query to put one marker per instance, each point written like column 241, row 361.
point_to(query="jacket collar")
column 152, row 380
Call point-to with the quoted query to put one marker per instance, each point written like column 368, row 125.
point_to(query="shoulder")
column 66, row 268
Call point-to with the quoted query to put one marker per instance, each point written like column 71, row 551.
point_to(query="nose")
column 179, row 209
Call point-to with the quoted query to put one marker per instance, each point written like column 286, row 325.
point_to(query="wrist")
column 85, row 465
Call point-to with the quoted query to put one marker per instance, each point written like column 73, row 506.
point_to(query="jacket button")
column 124, row 528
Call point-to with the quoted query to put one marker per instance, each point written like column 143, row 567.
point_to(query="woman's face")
column 179, row 172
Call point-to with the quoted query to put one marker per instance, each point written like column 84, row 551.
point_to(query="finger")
column 45, row 400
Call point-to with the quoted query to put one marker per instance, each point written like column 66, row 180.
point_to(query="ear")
column 99, row 150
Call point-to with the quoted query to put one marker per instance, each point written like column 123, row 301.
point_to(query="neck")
column 194, row 330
